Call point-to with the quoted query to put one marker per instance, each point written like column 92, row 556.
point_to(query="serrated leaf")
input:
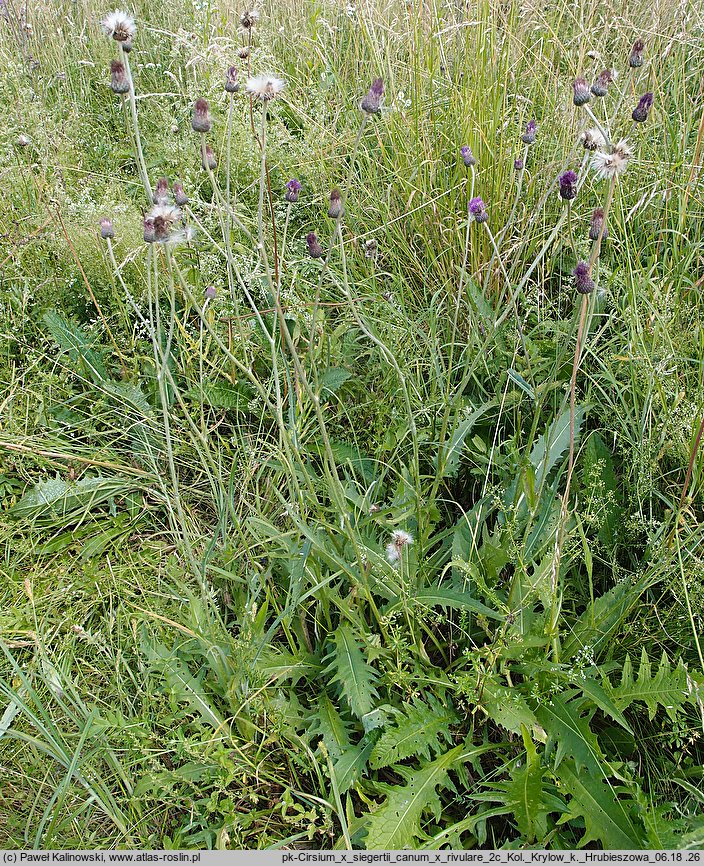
column 396, row 825
column 418, row 731
column 333, row 379
column 668, row 688
column 356, row 678
column 72, row 340
column 222, row 395
column 448, row 598
column 328, row 724
column 507, row 707
column 606, row 817
column 569, row 733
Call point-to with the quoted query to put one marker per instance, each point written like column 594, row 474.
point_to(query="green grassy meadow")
column 362, row 530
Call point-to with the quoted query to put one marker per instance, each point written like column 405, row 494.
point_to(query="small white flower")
column 608, row 165
column 264, row 87
column 119, row 26
column 399, row 540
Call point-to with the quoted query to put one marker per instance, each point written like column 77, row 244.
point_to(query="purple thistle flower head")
column 467, row 156
column 149, row 230
column 636, row 57
column 315, row 251
column 528, row 136
column 106, row 228
column 568, row 185
column 477, row 209
column 201, row 121
column 336, row 208
column 119, row 82
column 640, row 112
column 581, row 92
column 180, row 196
column 293, row 187
column 601, row 84
column 518, row 164
column 583, row 279
column 232, row 85
column 595, row 227
column 371, row 104
column 210, row 293
column 208, row 160
column 161, row 191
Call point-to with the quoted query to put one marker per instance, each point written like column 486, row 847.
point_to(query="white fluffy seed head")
column 608, row 165
column 264, row 87
column 119, row 25
column 399, row 540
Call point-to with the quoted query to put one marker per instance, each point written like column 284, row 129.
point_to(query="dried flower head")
column 180, row 196
column 23, row 140
column 119, row 26
column 636, row 56
column 161, row 191
column 528, row 136
column 164, row 218
column 371, row 104
column 568, row 185
column 107, row 229
column 336, row 208
column 293, row 188
column 243, row 52
column 596, row 224
column 518, row 164
column 477, row 209
column 640, row 112
column 592, row 139
column 583, row 279
column 264, row 87
column 371, row 249
column 249, row 19
column 201, row 120
column 119, row 80
column 601, row 83
column 232, row 85
column 608, row 165
column 127, row 46
column 399, row 540
column 581, row 93
column 210, row 293
column 315, row 251
column 208, row 159
column 467, row 156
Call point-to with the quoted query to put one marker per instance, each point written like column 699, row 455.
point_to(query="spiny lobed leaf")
column 357, row 679
column 569, row 732
column 667, row 688
column 396, row 825
column 417, row 732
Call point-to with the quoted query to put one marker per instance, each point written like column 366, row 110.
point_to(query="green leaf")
column 396, row 825
column 445, row 597
column 447, row 460
column 328, row 723
column 222, row 395
column 667, row 688
column 418, row 731
column 553, row 444
column 77, row 345
column 507, row 707
column 603, row 616
column 356, row 678
column 333, row 379
column 569, row 732
column 606, row 817
column 58, row 498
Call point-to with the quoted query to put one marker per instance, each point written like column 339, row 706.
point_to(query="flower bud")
column 201, row 121
column 180, row 196
column 568, row 185
column 209, row 161
column 210, row 293
column 528, row 136
column 583, row 279
column 107, row 229
column 595, row 227
column 581, row 93
column 371, row 104
column 336, row 208
column 601, row 84
column 518, row 164
column 640, row 112
column 315, row 251
column 636, row 57
column 119, row 82
column 232, row 85
column 149, row 230
column 161, row 191
column 293, row 188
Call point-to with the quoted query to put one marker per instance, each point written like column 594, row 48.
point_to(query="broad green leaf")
column 396, row 825
column 445, row 597
column 447, row 460
column 59, row 498
column 333, row 379
column 569, row 733
column 606, row 817
column 667, row 688
column 507, row 707
column 328, row 723
column 72, row 340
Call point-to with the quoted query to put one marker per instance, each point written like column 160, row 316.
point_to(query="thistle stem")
column 135, row 125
